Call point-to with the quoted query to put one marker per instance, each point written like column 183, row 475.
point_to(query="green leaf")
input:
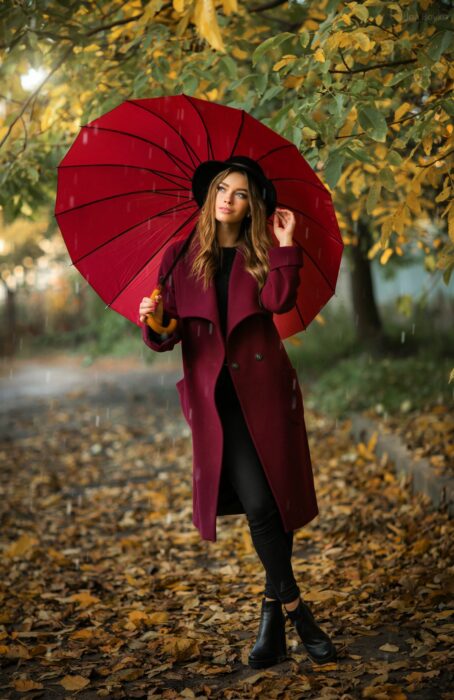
column 440, row 44
column 394, row 157
column 229, row 67
column 387, row 178
column 373, row 122
column 359, row 154
column 271, row 43
column 402, row 75
column 333, row 167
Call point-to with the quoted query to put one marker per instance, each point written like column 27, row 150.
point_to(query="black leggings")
column 242, row 467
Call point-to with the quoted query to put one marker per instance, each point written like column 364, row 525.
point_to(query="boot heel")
column 316, row 642
column 271, row 646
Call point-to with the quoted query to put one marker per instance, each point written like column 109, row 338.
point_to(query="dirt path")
column 24, row 382
column 106, row 587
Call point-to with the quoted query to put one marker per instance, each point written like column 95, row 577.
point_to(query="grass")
column 345, row 376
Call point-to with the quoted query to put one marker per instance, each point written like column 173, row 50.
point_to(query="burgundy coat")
column 264, row 378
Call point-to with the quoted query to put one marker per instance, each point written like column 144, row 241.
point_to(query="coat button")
column 258, row 356
column 235, row 365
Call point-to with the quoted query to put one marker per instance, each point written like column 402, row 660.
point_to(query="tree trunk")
column 369, row 329
column 9, row 347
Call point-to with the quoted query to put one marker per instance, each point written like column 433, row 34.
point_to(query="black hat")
column 206, row 171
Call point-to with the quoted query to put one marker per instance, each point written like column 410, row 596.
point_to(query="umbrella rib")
column 110, row 197
column 172, row 157
column 117, row 235
column 150, row 259
column 277, row 148
column 300, row 316
column 301, row 179
column 164, row 175
column 316, row 266
column 240, row 129
column 210, row 146
column 186, row 144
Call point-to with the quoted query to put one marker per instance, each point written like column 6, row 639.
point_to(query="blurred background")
column 370, row 112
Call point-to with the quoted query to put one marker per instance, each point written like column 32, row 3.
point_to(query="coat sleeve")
column 279, row 293
column 165, row 341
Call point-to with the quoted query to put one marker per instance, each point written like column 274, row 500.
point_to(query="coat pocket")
column 182, row 393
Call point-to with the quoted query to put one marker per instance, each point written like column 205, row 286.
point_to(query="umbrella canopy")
column 124, row 193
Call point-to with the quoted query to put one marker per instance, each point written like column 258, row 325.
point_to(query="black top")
column 221, row 281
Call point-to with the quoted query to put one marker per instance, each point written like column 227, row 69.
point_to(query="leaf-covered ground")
column 107, row 589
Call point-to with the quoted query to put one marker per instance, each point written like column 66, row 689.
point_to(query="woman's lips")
column 227, row 211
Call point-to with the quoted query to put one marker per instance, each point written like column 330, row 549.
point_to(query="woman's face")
column 232, row 198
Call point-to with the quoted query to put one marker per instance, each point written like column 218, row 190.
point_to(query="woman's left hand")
column 284, row 225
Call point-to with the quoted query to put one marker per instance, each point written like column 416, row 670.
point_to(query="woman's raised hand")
column 148, row 306
column 284, row 225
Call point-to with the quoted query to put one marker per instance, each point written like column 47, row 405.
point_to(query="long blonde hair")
column 254, row 237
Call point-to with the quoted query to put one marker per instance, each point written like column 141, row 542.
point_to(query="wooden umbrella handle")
column 154, row 320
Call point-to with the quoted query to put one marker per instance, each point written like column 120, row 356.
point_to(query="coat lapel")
column 243, row 297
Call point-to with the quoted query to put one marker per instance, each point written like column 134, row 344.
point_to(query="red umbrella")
column 124, row 193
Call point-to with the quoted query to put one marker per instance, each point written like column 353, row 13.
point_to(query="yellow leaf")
column 212, row 94
column 74, row 682
column 85, row 598
column 389, row 647
column 400, row 111
column 181, row 648
column 178, row 5
column 363, row 41
column 137, row 616
column 207, row 24
column 158, row 617
column 373, row 441
column 21, row 546
column 284, row 61
column 239, row 53
column 319, row 56
column 386, row 256
column 22, row 685
column 229, row 6
column 451, row 222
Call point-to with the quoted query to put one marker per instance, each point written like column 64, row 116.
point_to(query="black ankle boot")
column 317, row 643
column 270, row 646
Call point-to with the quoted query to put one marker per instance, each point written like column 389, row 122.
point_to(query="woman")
column 250, row 446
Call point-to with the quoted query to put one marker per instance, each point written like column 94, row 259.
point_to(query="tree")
column 361, row 88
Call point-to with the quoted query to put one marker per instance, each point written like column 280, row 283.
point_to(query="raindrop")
column 47, row 376
column 69, row 507
column 402, row 337
column 97, row 421
column 413, row 326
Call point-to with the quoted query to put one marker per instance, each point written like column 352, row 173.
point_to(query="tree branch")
column 34, row 93
column 268, row 5
column 441, row 157
column 377, row 65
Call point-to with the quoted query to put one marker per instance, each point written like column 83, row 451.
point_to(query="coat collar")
column 243, row 296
